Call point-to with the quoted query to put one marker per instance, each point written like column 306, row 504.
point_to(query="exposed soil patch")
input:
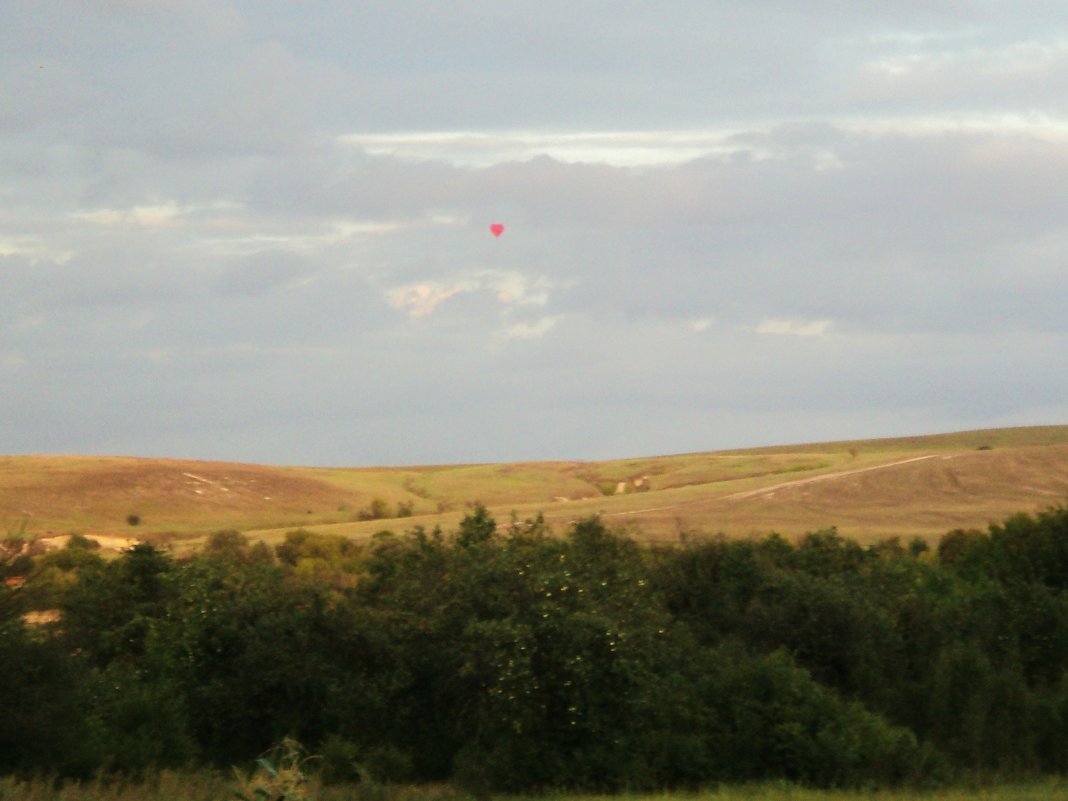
column 107, row 542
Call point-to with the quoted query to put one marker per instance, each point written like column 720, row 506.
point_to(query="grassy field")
column 171, row 786
column 1047, row 791
column 870, row 489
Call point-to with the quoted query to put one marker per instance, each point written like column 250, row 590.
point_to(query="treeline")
column 511, row 660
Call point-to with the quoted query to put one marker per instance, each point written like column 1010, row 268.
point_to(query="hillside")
column 869, row 489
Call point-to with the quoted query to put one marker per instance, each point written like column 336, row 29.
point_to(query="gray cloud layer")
column 255, row 231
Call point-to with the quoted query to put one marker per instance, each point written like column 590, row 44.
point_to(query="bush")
column 280, row 775
column 43, row 726
column 387, row 764
column 140, row 722
column 770, row 719
column 379, row 509
column 340, row 761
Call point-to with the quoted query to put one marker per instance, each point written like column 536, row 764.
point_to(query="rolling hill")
column 869, row 489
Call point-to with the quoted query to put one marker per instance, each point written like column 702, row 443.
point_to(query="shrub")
column 770, row 719
column 340, row 761
column 280, row 775
column 387, row 763
column 378, row 509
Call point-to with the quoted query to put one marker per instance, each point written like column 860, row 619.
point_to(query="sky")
column 259, row 231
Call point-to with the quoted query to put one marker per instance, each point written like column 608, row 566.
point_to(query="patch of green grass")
column 801, row 468
column 505, row 484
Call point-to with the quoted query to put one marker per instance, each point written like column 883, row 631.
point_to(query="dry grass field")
column 869, row 489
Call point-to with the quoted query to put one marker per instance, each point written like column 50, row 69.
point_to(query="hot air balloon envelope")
column 497, row 229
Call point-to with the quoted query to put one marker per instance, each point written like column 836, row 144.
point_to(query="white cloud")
column 617, row 148
column 167, row 214
column 509, row 288
column 346, row 229
column 753, row 142
column 33, row 248
column 420, row 300
column 515, row 288
column 533, row 330
column 794, row 327
column 14, row 247
column 163, row 215
column 1024, row 58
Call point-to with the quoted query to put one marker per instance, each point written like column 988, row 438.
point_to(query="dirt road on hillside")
column 824, row 477
column 754, row 493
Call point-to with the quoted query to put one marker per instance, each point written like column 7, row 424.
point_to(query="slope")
column 870, row 489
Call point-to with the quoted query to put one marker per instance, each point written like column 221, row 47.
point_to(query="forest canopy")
column 508, row 658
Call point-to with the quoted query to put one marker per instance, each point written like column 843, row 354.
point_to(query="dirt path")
column 754, row 493
column 641, row 511
column 824, row 477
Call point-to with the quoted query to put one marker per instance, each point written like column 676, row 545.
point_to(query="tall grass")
column 1049, row 790
column 209, row 786
column 205, row 786
column 169, row 785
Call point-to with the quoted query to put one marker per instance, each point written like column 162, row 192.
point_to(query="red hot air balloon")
column 496, row 229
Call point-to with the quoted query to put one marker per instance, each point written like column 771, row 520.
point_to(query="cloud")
column 420, row 300
column 264, row 272
column 951, row 63
column 507, row 288
column 162, row 215
column 613, row 147
column 794, row 328
column 203, row 201
column 701, row 324
column 533, row 330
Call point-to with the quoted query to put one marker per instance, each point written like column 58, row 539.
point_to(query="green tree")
column 553, row 662
column 476, row 528
column 249, row 650
column 43, row 728
column 768, row 718
column 109, row 612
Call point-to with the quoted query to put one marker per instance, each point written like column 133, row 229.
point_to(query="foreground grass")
column 1049, row 790
column 201, row 786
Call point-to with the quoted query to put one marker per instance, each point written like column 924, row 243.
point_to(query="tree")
column 43, row 727
column 250, row 653
column 110, row 611
column 551, row 662
column 476, row 528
